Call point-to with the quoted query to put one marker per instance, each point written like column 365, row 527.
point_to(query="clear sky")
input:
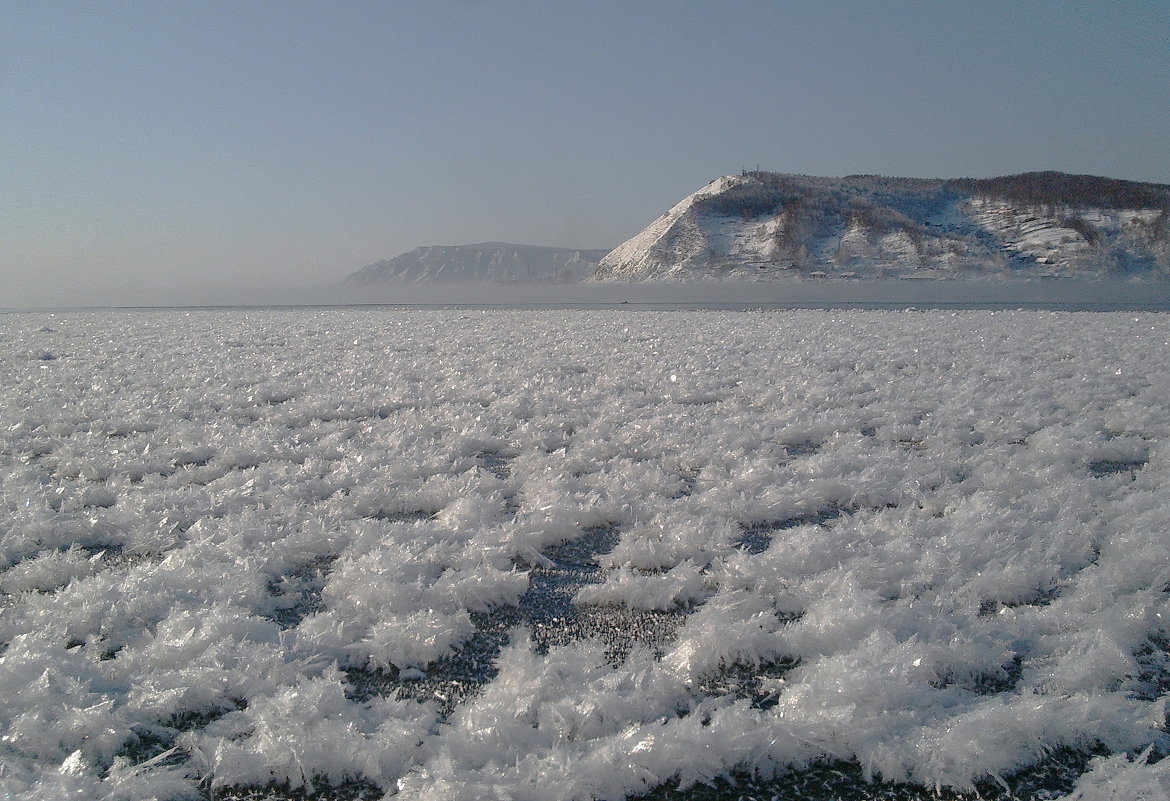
column 167, row 151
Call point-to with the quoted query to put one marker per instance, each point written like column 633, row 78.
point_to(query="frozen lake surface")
column 571, row 554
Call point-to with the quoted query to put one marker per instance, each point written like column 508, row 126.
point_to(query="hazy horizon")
column 1069, row 294
column 163, row 152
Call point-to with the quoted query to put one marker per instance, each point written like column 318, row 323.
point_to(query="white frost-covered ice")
column 457, row 554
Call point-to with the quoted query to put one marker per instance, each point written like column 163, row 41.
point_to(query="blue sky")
column 156, row 150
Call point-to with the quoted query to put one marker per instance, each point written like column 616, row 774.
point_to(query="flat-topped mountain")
column 762, row 225
column 489, row 262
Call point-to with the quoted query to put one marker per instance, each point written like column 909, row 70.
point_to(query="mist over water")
column 1089, row 295
column 872, row 294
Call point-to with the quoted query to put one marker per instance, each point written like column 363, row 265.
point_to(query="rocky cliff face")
column 766, row 225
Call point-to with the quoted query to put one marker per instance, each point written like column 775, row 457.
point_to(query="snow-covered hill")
column 765, row 225
column 493, row 262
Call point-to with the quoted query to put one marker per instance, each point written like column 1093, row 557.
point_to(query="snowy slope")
column 495, row 262
column 767, row 225
column 670, row 244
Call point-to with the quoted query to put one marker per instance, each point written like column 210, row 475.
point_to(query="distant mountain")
column 765, row 225
column 490, row 262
